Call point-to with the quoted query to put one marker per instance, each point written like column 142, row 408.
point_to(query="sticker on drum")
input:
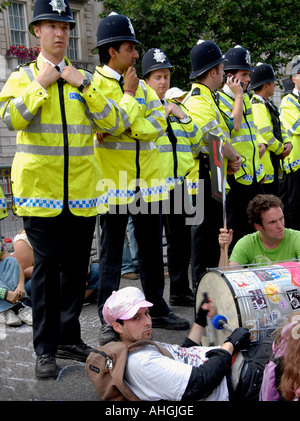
column 276, row 274
column 294, row 298
column 241, row 280
column 274, row 292
column 258, row 299
column 294, row 270
column 253, row 326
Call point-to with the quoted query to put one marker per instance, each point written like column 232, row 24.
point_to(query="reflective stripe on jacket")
column 206, row 115
column 178, row 147
column 131, row 159
column 263, row 122
column 3, row 205
column 54, row 163
column 245, row 141
column 290, row 117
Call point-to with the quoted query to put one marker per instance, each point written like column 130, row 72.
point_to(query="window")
column 73, row 48
column 17, row 24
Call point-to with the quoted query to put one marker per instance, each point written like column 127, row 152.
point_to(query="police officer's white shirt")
column 261, row 98
column 154, row 377
column 112, row 72
column 296, row 92
column 228, row 91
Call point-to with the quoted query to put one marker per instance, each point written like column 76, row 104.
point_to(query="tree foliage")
column 3, row 5
column 268, row 28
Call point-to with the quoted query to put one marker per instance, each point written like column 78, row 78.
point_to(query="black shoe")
column 46, row 367
column 78, row 352
column 107, row 334
column 182, row 300
column 171, row 321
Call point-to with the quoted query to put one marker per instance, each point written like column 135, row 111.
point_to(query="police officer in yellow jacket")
column 245, row 139
column 290, row 117
column 266, row 119
column 207, row 70
column 177, row 146
column 54, row 108
column 133, row 179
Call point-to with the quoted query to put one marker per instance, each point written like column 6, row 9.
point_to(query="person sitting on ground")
column 194, row 373
column 271, row 242
column 23, row 252
column 12, row 291
column 285, row 364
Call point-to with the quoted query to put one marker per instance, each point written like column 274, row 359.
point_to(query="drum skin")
column 259, row 298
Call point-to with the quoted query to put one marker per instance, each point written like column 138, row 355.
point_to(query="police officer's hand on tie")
column 47, row 75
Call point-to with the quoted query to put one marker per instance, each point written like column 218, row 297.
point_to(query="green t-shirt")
column 250, row 249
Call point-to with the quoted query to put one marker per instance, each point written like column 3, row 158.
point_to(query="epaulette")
column 23, row 65
column 196, row 91
column 81, row 68
column 255, row 101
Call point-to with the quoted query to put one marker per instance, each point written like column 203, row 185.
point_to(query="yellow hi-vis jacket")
column 206, row 115
column 245, row 141
column 177, row 148
column 263, row 122
column 130, row 160
column 3, row 205
column 290, row 117
column 54, row 162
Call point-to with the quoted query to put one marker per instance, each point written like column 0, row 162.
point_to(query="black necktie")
column 121, row 83
column 58, row 69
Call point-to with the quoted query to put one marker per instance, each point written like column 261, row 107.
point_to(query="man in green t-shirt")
column 271, row 242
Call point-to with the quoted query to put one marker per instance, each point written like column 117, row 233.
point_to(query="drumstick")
column 226, row 245
column 220, row 322
column 224, row 325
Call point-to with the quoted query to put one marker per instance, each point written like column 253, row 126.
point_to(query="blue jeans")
column 9, row 276
column 93, row 278
column 130, row 261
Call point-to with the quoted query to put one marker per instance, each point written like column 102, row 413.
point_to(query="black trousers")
column 289, row 194
column 147, row 231
column 205, row 251
column 237, row 202
column 178, row 235
column 61, row 250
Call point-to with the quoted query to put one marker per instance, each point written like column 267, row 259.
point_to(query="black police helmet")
column 296, row 65
column 57, row 10
column 262, row 73
column 204, row 56
column 238, row 58
column 155, row 59
column 114, row 28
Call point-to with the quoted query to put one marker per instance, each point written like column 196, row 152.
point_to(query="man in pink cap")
column 194, row 373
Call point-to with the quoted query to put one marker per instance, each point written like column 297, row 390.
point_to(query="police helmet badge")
column 248, row 57
column 159, row 56
column 131, row 27
column 58, row 6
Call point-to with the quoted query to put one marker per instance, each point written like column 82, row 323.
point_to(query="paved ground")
column 17, row 361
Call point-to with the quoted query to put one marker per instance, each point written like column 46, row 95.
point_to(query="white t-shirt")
column 153, row 377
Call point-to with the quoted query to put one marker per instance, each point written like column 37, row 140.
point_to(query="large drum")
column 259, row 298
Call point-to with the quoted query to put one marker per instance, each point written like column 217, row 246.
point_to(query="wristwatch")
column 84, row 84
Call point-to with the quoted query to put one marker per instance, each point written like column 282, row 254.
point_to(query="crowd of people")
column 140, row 154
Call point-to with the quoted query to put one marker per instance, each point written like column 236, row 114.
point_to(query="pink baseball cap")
column 124, row 304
